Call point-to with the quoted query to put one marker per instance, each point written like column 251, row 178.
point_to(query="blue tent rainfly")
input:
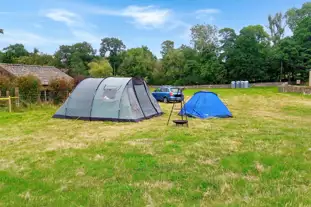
column 205, row 104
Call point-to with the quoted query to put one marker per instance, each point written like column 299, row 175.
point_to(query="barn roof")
column 44, row 73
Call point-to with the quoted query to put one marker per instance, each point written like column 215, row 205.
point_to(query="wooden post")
column 7, row 93
column 10, row 104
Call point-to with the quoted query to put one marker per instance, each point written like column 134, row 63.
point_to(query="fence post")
column 10, row 104
column 7, row 93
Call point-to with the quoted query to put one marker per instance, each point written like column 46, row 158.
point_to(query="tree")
column 112, row 48
column 247, row 59
column 63, row 56
column 112, row 45
column 138, row 62
column 204, row 36
column 288, row 51
column 14, row 51
column 36, row 59
column 166, row 47
column 294, row 15
column 100, row 68
column 36, row 50
column 77, row 65
column 75, row 57
column 1, row 31
column 277, row 27
column 227, row 40
column 173, row 65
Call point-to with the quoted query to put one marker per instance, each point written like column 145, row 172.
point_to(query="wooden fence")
column 10, row 99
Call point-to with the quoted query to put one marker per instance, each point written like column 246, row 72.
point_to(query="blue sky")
column 46, row 24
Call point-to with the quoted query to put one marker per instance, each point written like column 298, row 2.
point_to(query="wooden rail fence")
column 10, row 98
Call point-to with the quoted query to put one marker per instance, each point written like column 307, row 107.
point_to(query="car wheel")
column 165, row 100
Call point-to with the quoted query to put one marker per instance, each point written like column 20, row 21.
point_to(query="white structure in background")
column 239, row 84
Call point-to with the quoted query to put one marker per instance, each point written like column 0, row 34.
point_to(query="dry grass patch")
column 162, row 185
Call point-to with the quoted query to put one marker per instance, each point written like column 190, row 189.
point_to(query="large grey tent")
column 114, row 99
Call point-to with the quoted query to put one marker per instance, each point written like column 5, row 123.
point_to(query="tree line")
column 212, row 56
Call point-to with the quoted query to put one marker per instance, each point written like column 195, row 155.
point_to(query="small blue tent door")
column 205, row 105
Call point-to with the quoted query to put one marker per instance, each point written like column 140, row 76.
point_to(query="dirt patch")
column 207, row 161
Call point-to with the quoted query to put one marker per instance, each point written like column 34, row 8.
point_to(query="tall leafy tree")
column 276, row 27
column 166, row 46
column 75, row 57
column 14, row 51
column 138, row 62
column 173, row 65
column 295, row 15
column 248, row 57
column 204, row 36
column 112, row 48
column 100, row 68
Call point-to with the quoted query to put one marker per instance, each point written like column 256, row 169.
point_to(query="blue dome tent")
column 205, row 104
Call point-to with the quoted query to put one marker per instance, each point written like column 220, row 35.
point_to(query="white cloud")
column 147, row 17
column 65, row 16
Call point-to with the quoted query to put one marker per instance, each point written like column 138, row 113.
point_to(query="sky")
column 47, row 24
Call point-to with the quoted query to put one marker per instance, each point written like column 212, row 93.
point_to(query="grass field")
column 261, row 157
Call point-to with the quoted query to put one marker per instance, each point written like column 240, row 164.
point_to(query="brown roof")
column 44, row 73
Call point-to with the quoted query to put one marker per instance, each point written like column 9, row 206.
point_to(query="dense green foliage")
column 29, row 88
column 100, row 68
column 214, row 55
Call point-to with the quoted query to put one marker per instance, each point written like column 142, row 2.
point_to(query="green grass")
column 261, row 157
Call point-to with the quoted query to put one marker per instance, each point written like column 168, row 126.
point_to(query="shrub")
column 60, row 89
column 29, row 88
column 5, row 85
column 100, row 68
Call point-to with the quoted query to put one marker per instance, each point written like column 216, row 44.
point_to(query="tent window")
column 110, row 93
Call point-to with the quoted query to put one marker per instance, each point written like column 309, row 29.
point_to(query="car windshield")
column 174, row 90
